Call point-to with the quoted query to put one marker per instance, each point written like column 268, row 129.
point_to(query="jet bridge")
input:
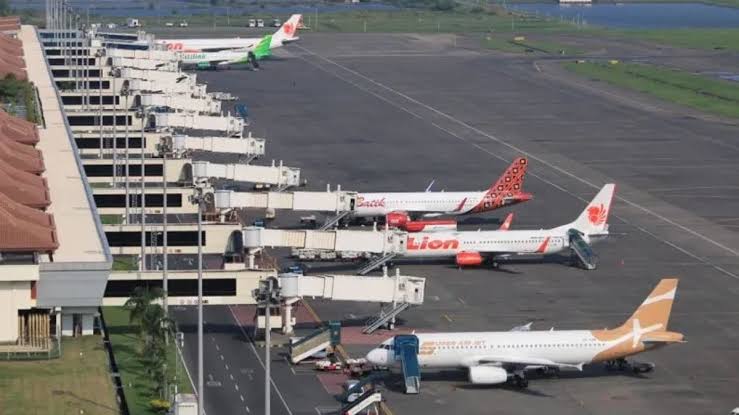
column 337, row 202
column 157, row 76
column 346, row 243
column 249, row 147
column 233, row 126
column 146, row 64
column 143, row 54
column 183, row 87
column 182, row 102
column 401, row 291
column 274, row 175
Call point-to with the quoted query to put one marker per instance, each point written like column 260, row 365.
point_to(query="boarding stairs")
column 376, row 263
column 587, row 258
column 386, row 314
column 315, row 342
column 406, row 350
column 330, row 222
column 362, row 403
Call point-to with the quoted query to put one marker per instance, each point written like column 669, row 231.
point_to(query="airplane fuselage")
column 449, row 244
column 449, row 203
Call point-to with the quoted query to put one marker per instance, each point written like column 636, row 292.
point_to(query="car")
column 734, row 411
column 260, row 23
column 169, row 24
column 111, row 25
column 183, row 24
column 252, row 23
column 276, row 23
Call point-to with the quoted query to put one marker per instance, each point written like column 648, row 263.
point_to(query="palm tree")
column 140, row 301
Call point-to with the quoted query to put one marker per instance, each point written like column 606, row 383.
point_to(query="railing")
column 45, row 348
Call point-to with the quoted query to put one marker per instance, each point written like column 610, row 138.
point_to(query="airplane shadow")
column 393, row 380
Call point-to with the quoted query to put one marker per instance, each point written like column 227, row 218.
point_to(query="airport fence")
column 46, row 348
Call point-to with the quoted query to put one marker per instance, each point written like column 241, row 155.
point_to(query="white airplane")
column 401, row 208
column 285, row 34
column 471, row 248
column 222, row 58
column 498, row 357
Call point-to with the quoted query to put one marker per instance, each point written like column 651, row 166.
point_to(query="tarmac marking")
column 461, row 300
column 226, row 366
column 529, row 155
column 259, row 358
column 446, row 316
column 218, row 348
column 241, row 397
column 231, row 376
column 222, row 357
column 236, row 386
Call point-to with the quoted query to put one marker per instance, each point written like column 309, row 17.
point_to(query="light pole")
column 126, row 92
column 114, row 72
column 99, row 55
column 198, row 198
column 142, row 114
column 267, row 295
column 165, row 149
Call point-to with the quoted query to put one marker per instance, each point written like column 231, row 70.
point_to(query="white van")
column 260, row 23
column 252, row 23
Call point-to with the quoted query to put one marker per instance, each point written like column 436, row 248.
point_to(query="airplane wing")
column 525, row 327
column 518, row 361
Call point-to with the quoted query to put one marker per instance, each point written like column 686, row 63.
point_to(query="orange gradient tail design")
column 655, row 310
column 646, row 328
column 507, row 190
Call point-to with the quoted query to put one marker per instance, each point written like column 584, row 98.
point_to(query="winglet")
column 506, row 223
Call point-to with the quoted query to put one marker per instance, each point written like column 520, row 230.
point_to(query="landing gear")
column 520, row 382
column 636, row 367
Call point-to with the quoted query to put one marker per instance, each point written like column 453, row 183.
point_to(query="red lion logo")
column 289, row 29
column 597, row 214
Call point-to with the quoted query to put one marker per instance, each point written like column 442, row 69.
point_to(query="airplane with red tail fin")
column 406, row 210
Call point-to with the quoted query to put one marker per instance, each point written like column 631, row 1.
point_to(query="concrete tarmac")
column 393, row 112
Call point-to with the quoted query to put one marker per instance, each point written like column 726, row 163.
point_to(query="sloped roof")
column 21, row 235
column 26, row 188
column 27, row 161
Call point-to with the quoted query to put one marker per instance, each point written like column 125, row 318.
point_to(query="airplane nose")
column 377, row 357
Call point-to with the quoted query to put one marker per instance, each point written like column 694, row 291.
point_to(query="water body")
column 173, row 8
column 641, row 15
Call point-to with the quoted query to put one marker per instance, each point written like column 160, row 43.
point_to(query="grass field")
column 699, row 92
column 711, row 39
column 401, row 21
column 137, row 387
column 78, row 382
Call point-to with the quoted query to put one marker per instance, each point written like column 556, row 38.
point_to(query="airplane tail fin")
column 507, row 190
column 286, row 32
column 655, row 310
column 594, row 219
column 263, row 48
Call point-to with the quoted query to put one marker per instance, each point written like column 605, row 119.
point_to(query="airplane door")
column 352, row 201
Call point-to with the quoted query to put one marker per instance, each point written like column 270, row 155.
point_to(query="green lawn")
column 397, row 21
column 711, row 39
column 111, row 219
column 699, row 92
column 78, row 382
column 136, row 384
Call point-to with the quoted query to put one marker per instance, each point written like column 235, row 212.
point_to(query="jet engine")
column 487, row 375
column 469, row 259
column 397, row 219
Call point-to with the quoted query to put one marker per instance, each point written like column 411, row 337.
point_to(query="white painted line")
column 527, row 154
column 241, row 397
column 218, row 348
column 254, row 349
column 231, row 376
column 226, row 366
column 222, row 355
column 461, row 300
column 236, row 386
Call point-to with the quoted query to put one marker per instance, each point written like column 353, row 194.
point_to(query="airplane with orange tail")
column 499, row 357
column 400, row 209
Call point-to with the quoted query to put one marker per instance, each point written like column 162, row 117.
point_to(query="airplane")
column 400, row 208
column 499, row 357
column 285, row 34
column 223, row 58
column 470, row 248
